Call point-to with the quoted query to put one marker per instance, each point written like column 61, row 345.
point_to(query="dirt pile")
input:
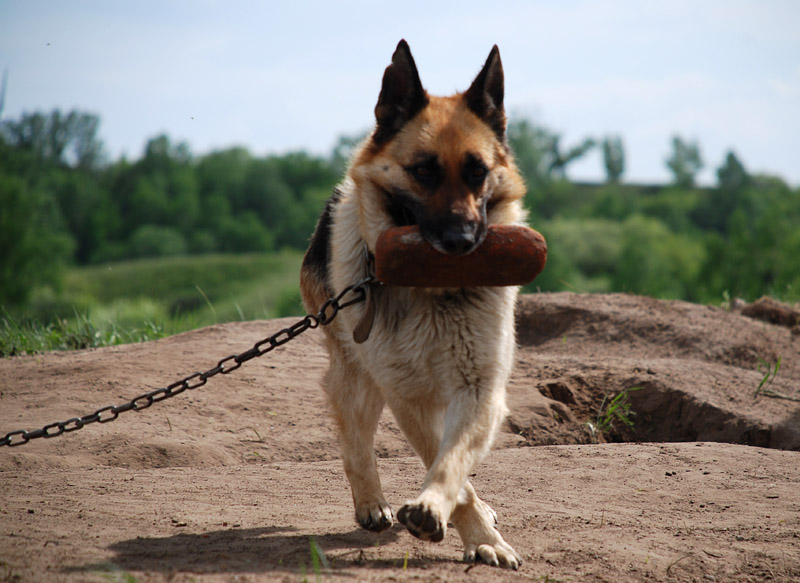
column 697, row 371
column 239, row 480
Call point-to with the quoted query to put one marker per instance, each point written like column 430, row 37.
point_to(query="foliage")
column 614, row 416
column 684, row 162
column 58, row 139
column 27, row 336
column 616, row 411
column 613, row 158
column 141, row 300
column 769, row 372
column 33, row 243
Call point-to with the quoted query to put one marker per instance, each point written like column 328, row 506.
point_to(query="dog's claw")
column 494, row 556
column 376, row 519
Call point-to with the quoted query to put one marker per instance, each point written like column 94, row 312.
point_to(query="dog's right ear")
column 485, row 95
column 402, row 95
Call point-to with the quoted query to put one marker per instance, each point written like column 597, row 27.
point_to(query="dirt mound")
column 239, row 480
column 696, row 371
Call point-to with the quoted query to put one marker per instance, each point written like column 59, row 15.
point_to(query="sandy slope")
column 231, row 482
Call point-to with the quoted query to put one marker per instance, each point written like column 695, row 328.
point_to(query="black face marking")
column 402, row 207
column 427, row 171
column 474, row 171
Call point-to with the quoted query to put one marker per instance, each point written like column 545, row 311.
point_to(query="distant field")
column 144, row 299
column 237, row 286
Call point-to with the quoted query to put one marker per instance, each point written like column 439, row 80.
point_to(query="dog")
column 440, row 358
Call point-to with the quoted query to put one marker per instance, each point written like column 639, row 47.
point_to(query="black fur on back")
column 318, row 255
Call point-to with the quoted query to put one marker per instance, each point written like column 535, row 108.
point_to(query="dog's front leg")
column 471, row 422
column 356, row 404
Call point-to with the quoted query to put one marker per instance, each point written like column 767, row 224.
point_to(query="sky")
column 275, row 77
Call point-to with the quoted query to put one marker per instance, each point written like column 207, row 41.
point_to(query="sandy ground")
column 239, row 480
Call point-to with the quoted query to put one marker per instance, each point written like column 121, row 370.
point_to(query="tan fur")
column 440, row 359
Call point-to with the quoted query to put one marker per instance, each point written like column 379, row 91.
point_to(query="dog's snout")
column 458, row 241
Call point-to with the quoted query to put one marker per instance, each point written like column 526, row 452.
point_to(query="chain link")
column 325, row 316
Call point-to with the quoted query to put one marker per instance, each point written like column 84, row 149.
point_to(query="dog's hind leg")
column 356, row 405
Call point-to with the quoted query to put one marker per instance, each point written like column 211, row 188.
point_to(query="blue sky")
column 280, row 76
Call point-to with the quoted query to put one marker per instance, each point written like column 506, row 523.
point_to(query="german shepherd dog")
column 438, row 357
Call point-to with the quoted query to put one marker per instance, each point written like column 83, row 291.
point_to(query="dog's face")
column 440, row 162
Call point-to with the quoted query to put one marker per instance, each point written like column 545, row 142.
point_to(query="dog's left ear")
column 485, row 95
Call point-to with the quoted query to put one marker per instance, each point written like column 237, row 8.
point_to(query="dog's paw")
column 422, row 522
column 498, row 553
column 375, row 516
column 486, row 511
column 476, row 524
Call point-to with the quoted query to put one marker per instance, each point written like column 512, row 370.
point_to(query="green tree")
column 33, row 244
column 560, row 158
column 87, row 210
column 613, row 158
column 758, row 253
column 732, row 175
column 718, row 204
column 223, row 173
column 684, row 162
column 657, row 262
column 156, row 241
column 531, row 144
column 64, row 139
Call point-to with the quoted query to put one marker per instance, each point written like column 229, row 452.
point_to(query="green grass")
column 613, row 413
column 181, row 284
column 770, row 372
column 143, row 300
column 27, row 336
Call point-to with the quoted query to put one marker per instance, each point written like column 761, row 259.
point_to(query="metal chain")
column 325, row 316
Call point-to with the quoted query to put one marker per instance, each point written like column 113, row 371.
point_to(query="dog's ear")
column 402, row 95
column 485, row 95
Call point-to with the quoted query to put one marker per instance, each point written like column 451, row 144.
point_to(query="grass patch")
column 137, row 301
column 26, row 336
column 770, row 372
column 613, row 416
column 175, row 281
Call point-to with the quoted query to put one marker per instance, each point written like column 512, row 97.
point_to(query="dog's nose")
column 458, row 241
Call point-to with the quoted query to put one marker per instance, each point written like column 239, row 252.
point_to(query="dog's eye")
column 426, row 173
column 475, row 171
column 422, row 171
column 479, row 172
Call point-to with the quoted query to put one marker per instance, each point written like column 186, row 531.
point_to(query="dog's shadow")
column 255, row 550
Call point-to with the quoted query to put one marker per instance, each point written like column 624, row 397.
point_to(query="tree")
column 531, row 145
column 33, row 243
column 733, row 191
column 685, row 162
column 613, row 158
column 539, row 153
column 66, row 140
column 732, row 176
column 559, row 159
column 657, row 262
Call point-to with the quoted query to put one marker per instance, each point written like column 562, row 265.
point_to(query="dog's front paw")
column 422, row 522
column 375, row 516
column 498, row 553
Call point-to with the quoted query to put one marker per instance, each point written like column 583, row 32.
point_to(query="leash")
column 227, row 365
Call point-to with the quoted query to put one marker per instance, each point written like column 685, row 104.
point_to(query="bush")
column 156, row 241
